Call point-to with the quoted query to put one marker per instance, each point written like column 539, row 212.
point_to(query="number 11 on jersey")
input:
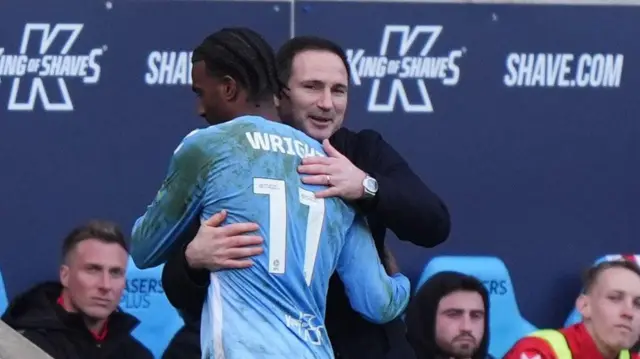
column 276, row 190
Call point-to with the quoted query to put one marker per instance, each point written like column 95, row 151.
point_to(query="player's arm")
column 379, row 297
column 176, row 206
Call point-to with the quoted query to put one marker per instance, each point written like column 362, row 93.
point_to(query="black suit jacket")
column 403, row 204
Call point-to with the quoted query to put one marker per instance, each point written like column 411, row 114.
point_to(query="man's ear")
column 229, row 88
column 583, row 304
column 64, row 275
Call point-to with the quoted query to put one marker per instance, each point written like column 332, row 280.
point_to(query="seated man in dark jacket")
column 448, row 318
column 78, row 318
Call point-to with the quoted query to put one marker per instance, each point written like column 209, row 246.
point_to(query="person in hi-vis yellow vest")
column 610, row 308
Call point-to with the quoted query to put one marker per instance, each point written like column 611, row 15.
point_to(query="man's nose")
column 325, row 102
column 629, row 310
column 106, row 282
column 465, row 324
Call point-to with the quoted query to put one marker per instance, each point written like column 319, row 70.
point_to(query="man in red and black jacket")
column 78, row 318
column 610, row 308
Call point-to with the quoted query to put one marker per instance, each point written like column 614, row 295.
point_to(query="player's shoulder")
column 236, row 126
column 190, row 141
column 240, row 126
column 531, row 348
column 635, row 355
column 194, row 135
column 249, row 122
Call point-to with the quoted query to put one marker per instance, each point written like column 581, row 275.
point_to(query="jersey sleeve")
column 177, row 205
column 531, row 348
column 378, row 297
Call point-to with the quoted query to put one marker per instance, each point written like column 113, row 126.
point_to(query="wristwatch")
column 370, row 187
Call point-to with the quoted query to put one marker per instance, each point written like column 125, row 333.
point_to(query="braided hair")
column 244, row 55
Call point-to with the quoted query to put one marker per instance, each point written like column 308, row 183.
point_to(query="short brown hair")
column 290, row 49
column 101, row 230
column 592, row 274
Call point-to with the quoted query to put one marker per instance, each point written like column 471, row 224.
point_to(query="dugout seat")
column 145, row 299
column 3, row 296
column 505, row 321
column 574, row 316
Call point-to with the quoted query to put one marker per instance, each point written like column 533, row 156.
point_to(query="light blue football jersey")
column 275, row 309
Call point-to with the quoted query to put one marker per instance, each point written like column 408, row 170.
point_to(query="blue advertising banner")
column 523, row 118
column 94, row 100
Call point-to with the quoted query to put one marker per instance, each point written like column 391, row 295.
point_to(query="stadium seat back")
column 505, row 321
column 145, row 299
column 4, row 302
column 575, row 316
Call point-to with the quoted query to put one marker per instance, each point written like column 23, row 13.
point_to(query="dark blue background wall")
column 538, row 172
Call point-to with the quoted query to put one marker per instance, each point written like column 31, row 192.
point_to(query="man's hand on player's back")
column 227, row 247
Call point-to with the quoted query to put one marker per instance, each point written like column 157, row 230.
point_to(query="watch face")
column 371, row 184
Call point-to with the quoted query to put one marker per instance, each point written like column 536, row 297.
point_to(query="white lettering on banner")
column 169, row 68
column 61, row 66
column 563, row 70
column 405, row 69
